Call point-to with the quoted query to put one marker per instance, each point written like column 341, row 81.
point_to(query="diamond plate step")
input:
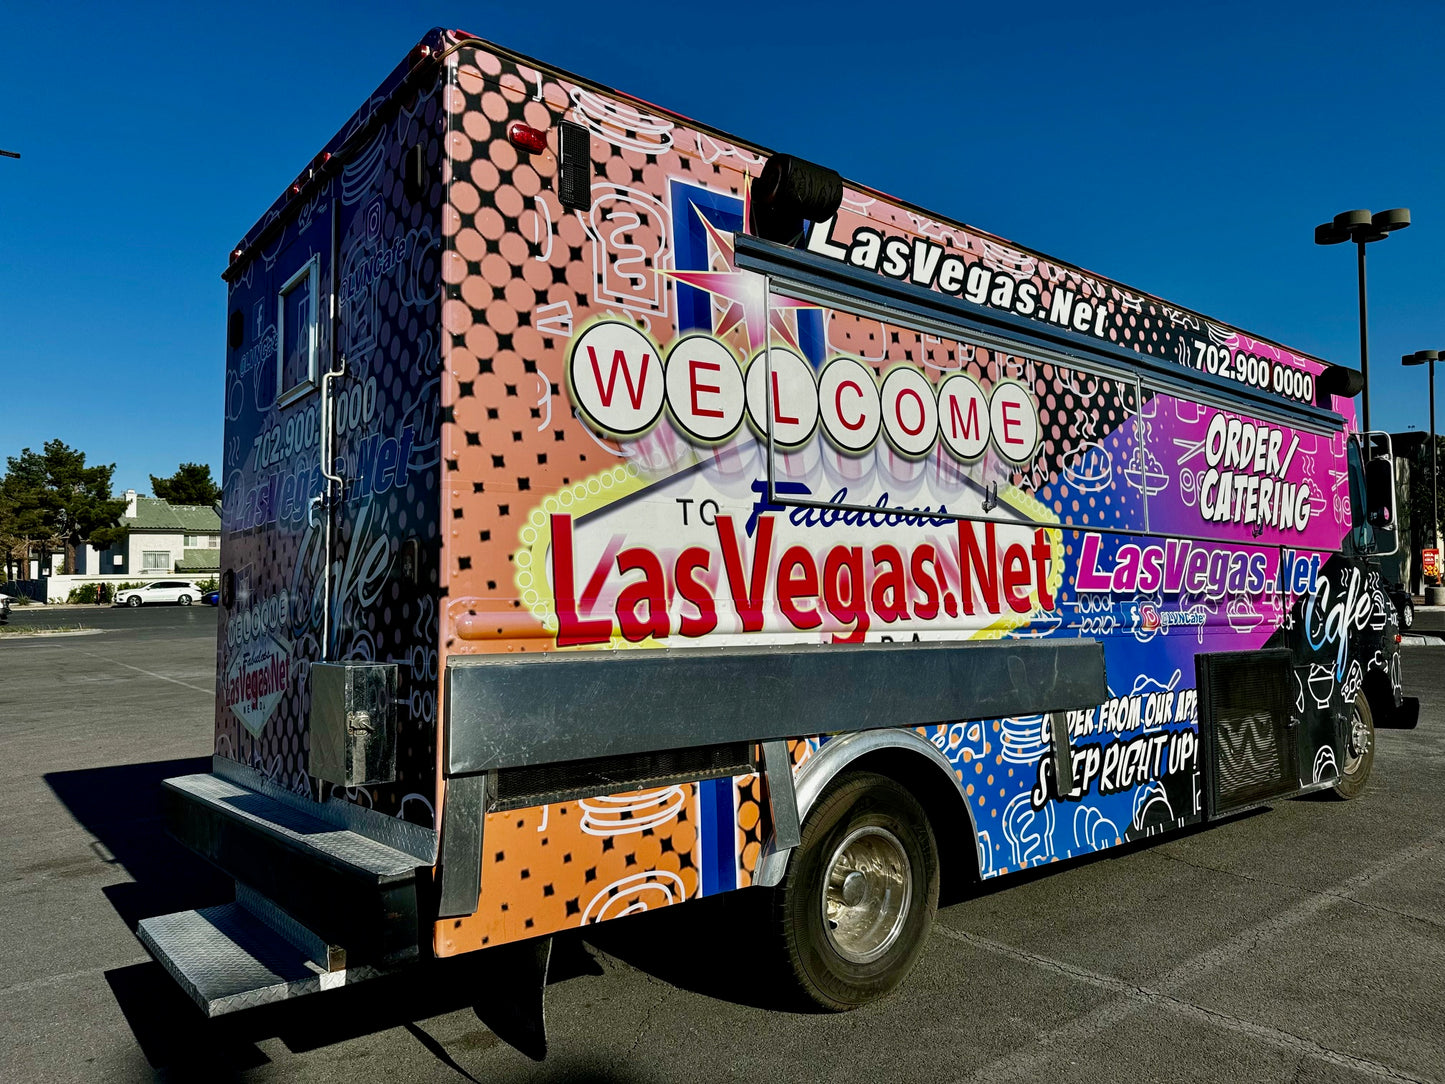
column 227, row 959
column 340, row 845
column 347, row 888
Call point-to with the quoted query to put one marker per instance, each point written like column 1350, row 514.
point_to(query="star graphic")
column 746, row 293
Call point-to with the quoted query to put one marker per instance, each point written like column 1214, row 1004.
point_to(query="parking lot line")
column 150, row 673
column 1144, row 997
column 1028, row 1062
column 53, row 980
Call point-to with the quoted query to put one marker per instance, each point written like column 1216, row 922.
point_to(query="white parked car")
column 182, row 591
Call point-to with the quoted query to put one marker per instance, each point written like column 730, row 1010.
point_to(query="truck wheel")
column 854, row 910
column 1359, row 751
column 1407, row 615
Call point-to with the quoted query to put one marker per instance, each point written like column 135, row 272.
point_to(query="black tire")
column 874, row 818
column 1359, row 751
column 1407, row 614
column 134, row 600
column 184, row 600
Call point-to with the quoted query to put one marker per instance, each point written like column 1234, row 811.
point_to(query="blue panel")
column 811, row 336
column 719, row 836
column 690, row 245
column 691, row 253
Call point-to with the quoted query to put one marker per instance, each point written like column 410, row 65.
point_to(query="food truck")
column 619, row 513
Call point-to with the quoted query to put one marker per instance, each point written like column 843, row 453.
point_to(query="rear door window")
column 297, row 338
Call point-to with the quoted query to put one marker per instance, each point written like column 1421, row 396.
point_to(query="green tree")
column 191, row 484
column 24, row 529
column 14, row 542
column 58, row 500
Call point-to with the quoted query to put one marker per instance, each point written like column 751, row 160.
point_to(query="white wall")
column 140, row 541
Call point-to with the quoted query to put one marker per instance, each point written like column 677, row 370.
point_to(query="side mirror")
column 1380, row 498
column 1380, row 492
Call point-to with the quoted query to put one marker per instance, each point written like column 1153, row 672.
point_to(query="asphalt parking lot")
column 1304, row 944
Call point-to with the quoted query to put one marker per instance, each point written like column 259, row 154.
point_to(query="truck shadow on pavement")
column 714, row 946
column 120, row 807
column 181, row 1044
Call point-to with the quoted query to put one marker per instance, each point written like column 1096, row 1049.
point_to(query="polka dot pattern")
column 384, row 549
column 520, row 276
column 575, row 863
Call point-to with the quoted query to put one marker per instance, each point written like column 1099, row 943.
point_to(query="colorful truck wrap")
column 627, row 424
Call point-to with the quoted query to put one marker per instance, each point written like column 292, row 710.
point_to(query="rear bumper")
column 326, row 894
column 348, row 889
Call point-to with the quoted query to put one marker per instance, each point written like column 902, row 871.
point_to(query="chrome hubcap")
column 866, row 892
column 1358, row 746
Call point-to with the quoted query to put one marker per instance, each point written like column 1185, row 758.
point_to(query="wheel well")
column 947, row 812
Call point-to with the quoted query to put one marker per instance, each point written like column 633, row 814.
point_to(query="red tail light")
column 525, row 137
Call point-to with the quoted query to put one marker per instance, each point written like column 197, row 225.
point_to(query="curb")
column 43, row 633
column 1422, row 639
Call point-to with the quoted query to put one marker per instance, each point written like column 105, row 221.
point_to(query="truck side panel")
column 593, row 502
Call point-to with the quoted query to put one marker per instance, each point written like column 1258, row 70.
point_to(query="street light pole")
column 1362, row 227
column 1365, row 335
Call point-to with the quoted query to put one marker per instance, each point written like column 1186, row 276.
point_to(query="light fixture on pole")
column 1362, row 227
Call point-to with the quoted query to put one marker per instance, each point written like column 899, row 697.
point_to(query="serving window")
column 297, row 334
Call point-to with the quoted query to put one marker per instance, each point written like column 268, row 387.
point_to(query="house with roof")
column 161, row 539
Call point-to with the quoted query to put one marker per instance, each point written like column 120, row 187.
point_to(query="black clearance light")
column 574, row 166
column 1337, row 380
column 790, row 192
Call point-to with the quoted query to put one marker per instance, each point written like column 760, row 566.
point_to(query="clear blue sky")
column 1186, row 149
